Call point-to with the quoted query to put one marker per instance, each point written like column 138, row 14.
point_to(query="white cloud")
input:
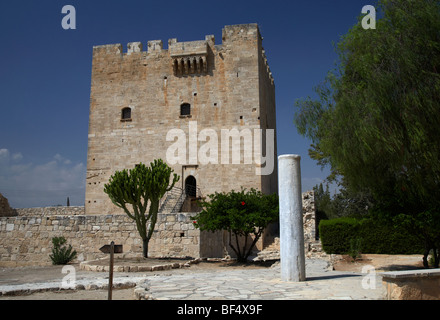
column 33, row 185
column 17, row 156
column 4, row 153
column 58, row 157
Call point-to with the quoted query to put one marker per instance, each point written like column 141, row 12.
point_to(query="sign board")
column 107, row 248
column 111, row 248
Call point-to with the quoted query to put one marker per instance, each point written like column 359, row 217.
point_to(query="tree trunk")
column 436, row 253
column 428, row 247
column 145, row 248
column 254, row 242
column 236, row 250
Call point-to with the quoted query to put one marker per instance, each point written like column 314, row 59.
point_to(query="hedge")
column 376, row 237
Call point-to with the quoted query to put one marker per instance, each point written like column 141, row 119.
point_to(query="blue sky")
column 45, row 75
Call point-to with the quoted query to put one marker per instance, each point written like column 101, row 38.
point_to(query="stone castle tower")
column 190, row 105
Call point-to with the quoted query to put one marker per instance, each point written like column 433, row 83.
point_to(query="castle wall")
column 26, row 239
column 225, row 91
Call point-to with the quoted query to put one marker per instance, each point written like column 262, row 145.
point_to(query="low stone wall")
column 412, row 284
column 27, row 240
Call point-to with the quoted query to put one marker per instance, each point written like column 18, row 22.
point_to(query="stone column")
column 291, row 219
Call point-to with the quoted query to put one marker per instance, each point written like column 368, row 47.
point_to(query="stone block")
column 412, row 284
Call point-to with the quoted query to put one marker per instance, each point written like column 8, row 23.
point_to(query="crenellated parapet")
column 134, row 47
column 266, row 64
column 186, row 58
column 189, row 57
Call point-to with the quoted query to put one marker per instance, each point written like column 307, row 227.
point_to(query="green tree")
column 242, row 214
column 377, row 117
column 345, row 203
column 141, row 188
column 323, row 203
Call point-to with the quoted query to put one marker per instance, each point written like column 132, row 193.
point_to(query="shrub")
column 355, row 248
column 335, row 234
column 243, row 214
column 61, row 254
column 376, row 236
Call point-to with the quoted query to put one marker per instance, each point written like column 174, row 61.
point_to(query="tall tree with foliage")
column 242, row 214
column 345, row 203
column 376, row 121
column 140, row 189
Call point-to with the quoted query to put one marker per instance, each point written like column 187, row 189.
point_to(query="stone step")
column 272, row 252
column 170, row 202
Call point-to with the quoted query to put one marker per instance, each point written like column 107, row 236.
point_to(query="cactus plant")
column 142, row 188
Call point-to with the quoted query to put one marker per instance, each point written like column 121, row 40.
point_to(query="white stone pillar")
column 291, row 219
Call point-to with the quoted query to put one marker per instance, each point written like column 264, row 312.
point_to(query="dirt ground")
column 31, row 274
column 381, row 263
column 202, row 265
column 121, row 294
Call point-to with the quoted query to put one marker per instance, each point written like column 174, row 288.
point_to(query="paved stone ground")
column 255, row 284
column 194, row 283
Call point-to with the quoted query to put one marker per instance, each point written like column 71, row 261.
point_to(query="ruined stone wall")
column 228, row 87
column 5, row 209
column 309, row 216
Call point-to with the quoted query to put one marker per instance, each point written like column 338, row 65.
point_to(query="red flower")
column 242, row 203
column 194, row 221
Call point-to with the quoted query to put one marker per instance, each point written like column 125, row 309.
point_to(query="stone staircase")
column 173, row 201
column 272, row 251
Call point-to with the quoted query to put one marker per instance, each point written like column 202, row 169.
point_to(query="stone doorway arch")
column 191, row 186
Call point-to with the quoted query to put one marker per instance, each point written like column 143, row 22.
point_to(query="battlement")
column 177, row 49
column 266, row 64
column 190, row 57
column 108, row 49
column 240, row 31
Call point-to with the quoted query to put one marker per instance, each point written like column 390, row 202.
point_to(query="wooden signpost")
column 112, row 249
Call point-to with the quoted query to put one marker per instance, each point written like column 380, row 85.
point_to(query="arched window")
column 185, row 109
column 126, row 114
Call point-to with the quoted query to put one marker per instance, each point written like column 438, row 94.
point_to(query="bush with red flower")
column 244, row 214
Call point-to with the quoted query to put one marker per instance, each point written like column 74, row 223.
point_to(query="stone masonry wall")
column 45, row 211
column 232, row 89
column 27, row 240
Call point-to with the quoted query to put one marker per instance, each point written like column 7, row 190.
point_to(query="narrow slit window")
column 185, row 109
column 126, row 114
